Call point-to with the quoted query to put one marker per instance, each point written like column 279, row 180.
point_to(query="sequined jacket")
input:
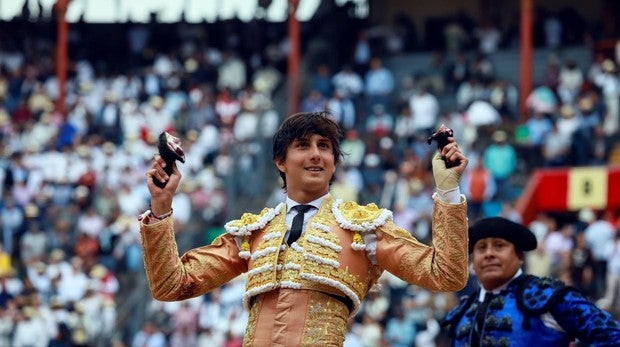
column 514, row 317
column 304, row 294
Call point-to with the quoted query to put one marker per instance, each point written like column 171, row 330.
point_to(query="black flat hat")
column 517, row 234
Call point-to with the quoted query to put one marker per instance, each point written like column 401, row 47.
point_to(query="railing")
column 570, row 190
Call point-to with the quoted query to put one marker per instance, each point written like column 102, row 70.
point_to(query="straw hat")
column 500, row 136
column 608, row 65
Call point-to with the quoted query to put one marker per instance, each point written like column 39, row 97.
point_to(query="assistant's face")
column 495, row 261
column 309, row 165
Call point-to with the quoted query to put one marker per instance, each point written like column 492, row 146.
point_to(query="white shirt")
column 290, row 213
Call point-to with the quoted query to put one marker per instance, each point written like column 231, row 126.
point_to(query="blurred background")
column 530, row 88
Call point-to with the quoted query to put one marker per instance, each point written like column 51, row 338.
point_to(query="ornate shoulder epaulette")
column 355, row 217
column 537, row 294
column 250, row 222
column 360, row 219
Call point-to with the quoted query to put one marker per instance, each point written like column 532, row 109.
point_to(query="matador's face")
column 308, row 166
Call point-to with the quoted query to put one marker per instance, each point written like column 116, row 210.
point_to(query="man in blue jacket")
column 515, row 309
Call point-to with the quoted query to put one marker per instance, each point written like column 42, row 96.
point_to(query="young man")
column 514, row 309
column 302, row 292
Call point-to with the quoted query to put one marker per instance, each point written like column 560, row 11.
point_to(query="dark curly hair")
column 301, row 126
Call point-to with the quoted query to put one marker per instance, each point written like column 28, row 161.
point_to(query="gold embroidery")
column 358, row 214
column 398, row 232
column 173, row 278
column 250, row 222
column 313, row 263
column 245, row 246
column 250, row 218
column 252, row 320
column 327, row 322
column 444, row 266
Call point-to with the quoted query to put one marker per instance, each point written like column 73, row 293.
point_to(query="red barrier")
column 570, row 189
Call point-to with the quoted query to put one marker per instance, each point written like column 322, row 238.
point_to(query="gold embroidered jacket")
column 304, row 294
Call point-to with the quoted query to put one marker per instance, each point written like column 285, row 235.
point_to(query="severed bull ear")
column 170, row 150
column 441, row 136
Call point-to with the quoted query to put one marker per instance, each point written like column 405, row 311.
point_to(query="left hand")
column 447, row 179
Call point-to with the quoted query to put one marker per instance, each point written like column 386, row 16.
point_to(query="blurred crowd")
column 73, row 182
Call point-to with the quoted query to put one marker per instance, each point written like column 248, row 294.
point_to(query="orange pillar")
column 525, row 59
column 293, row 57
column 61, row 54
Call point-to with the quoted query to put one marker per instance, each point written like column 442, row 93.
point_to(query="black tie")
column 298, row 222
column 480, row 316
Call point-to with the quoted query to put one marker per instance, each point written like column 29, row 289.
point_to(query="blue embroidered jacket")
column 514, row 317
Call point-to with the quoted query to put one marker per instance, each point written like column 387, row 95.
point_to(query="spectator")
column 610, row 86
column 313, row 102
column 354, row 147
column 379, row 123
column 399, row 331
column 500, row 158
column 538, row 262
column 349, row 82
column 558, row 245
column 482, row 115
column 458, row 70
column 370, row 332
column 321, row 80
column 103, row 282
column 72, row 285
column 362, row 53
column 29, row 329
column 468, row 91
column 570, row 81
column 207, row 338
column 12, row 218
column 425, row 109
column 428, row 332
column 343, row 109
column 479, row 187
column 404, row 127
column 599, row 234
column 610, row 300
column 581, row 265
column 488, row 36
column 379, row 83
column 556, row 148
column 553, row 31
column 227, row 107
column 33, row 243
column 231, row 72
column 539, row 126
column 149, row 336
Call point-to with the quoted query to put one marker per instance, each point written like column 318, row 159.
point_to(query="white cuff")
column 452, row 196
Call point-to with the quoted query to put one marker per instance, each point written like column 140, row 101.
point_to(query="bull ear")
column 170, row 150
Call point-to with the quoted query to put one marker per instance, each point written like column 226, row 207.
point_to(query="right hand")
column 161, row 198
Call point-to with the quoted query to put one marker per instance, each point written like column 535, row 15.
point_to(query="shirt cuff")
column 149, row 218
column 452, row 196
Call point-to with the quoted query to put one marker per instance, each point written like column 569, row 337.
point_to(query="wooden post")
column 293, row 57
column 61, row 54
column 525, row 59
